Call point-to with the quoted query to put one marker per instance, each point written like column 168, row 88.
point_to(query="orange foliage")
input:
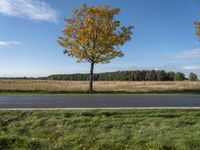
column 197, row 26
column 93, row 34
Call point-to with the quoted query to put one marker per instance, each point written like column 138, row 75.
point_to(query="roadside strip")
column 100, row 108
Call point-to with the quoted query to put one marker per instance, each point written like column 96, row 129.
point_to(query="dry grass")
column 98, row 85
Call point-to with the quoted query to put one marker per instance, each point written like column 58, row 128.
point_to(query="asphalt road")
column 98, row 101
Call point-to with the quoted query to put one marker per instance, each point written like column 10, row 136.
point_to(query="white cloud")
column 193, row 67
column 4, row 44
column 194, row 53
column 36, row 10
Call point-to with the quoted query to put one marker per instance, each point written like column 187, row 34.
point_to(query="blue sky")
column 163, row 36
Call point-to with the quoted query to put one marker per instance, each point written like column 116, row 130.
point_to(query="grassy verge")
column 100, row 92
column 100, row 129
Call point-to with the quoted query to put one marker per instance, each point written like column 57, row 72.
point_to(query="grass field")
column 100, row 129
column 100, row 86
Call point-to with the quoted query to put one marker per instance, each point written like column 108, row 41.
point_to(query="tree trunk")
column 91, row 77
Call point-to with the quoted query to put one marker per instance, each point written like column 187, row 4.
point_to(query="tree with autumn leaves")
column 94, row 35
column 197, row 27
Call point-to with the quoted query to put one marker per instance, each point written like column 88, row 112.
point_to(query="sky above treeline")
column 163, row 37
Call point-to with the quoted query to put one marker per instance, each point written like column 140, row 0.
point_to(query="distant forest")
column 138, row 75
column 144, row 75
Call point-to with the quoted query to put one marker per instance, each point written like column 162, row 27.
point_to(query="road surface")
column 98, row 101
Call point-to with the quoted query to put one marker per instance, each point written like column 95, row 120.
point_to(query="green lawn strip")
column 100, row 129
column 100, row 92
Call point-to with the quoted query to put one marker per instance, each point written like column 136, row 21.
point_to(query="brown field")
column 130, row 86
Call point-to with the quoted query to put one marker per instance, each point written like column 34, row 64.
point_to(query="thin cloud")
column 35, row 10
column 193, row 67
column 4, row 44
column 193, row 53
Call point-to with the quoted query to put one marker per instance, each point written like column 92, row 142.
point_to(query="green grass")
column 100, row 92
column 100, row 129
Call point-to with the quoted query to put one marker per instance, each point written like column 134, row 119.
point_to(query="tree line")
column 138, row 75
